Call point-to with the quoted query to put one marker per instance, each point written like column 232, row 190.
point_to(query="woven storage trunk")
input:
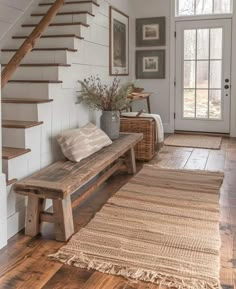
column 145, row 149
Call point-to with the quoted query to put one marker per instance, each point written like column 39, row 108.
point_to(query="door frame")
column 173, row 20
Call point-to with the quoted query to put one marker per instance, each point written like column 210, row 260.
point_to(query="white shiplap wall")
column 10, row 12
column 63, row 113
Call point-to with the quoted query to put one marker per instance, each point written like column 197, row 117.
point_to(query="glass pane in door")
column 202, row 91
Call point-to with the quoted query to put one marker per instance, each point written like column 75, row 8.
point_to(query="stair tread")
column 11, row 153
column 65, row 13
column 42, row 64
column 59, row 24
column 11, row 182
column 71, row 2
column 20, row 124
column 26, row 100
column 41, row 49
column 34, row 81
column 51, row 36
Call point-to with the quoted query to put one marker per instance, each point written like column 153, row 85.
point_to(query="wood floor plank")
column 24, row 263
column 33, row 271
column 103, row 281
column 69, row 277
column 197, row 160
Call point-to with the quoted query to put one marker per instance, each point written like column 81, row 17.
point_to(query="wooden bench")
column 60, row 180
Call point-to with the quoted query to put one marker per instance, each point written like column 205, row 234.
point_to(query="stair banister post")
column 30, row 42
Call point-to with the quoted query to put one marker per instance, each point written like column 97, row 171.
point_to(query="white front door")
column 203, row 65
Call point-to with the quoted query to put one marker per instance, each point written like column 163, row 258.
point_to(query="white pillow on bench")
column 78, row 144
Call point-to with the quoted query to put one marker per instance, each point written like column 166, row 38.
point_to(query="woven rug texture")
column 194, row 141
column 161, row 227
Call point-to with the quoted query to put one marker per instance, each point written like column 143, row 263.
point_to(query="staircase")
column 40, row 99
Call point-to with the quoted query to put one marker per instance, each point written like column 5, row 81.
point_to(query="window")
column 202, row 73
column 201, row 7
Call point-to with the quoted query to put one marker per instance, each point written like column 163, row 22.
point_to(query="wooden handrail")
column 30, row 42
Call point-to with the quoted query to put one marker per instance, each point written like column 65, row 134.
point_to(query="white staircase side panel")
column 16, row 223
column 14, row 201
column 101, row 20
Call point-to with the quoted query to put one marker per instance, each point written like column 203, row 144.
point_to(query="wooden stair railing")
column 30, row 42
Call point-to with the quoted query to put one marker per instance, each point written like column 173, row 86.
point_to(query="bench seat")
column 61, row 179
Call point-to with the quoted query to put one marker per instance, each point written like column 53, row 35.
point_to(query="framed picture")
column 150, row 64
column 151, row 32
column 119, row 42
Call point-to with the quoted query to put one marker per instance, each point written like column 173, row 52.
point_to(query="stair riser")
column 69, row 7
column 16, row 168
column 56, row 30
column 59, row 42
column 70, row 18
column 22, row 138
column 41, row 57
column 39, row 73
column 31, row 90
column 12, row 111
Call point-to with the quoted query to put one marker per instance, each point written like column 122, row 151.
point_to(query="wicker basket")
column 145, row 149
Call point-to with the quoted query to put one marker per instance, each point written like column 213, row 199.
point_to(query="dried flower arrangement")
column 104, row 97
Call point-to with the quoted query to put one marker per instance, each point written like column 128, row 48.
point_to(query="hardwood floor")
column 24, row 262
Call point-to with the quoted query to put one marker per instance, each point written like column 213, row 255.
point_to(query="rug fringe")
column 160, row 279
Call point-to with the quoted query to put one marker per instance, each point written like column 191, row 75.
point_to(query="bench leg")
column 130, row 161
column 64, row 226
column 34, row 208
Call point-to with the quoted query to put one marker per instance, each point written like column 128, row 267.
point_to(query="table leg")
column 148, row 104
column 34, row 208
column 131, row 161
column 64, row 227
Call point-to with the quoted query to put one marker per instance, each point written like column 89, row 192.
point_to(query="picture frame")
column 118, row 42
column 150, row 64
column 151, row 32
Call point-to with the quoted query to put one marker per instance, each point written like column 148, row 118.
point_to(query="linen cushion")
column 78, row 144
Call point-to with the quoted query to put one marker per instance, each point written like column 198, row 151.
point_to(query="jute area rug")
column 194, row 141
column 161, row 227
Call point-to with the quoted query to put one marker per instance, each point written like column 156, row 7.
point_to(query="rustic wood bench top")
column 62, row 178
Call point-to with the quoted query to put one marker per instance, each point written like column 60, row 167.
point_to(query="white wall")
column 160, row 100
column 10, row 12
column 63, row 113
